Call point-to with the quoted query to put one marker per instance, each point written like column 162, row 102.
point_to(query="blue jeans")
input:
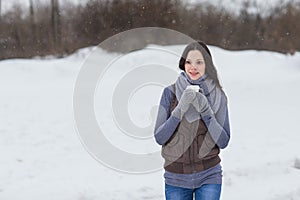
column 205, row 192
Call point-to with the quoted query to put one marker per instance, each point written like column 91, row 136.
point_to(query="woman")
column 192, row 126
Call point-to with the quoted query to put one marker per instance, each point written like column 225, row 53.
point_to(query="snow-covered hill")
column 41, row 156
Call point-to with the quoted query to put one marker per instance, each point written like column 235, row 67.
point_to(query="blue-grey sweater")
column 165, row 127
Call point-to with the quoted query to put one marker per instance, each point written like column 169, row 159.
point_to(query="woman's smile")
column 194, row 73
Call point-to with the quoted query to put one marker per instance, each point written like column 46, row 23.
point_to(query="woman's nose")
column 193, row 65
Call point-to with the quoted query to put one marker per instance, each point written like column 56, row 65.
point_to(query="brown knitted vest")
column 181, row 151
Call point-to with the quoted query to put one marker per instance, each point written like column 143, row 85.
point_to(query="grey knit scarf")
column 207, row 87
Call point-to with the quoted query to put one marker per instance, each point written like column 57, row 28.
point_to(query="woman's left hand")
column 201, row 104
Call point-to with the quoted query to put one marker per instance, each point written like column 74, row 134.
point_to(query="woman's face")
column 194, row 64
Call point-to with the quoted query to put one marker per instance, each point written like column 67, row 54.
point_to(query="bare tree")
column 32, row 21
column 0, row 9
column 55, row 20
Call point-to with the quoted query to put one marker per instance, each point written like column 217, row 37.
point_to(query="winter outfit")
column 192, row 127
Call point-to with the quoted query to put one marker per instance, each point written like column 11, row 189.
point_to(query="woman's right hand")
column 184, row 103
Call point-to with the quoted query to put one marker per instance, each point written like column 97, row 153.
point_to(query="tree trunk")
column 0, row 10
column 32, row 22
column 55, row 19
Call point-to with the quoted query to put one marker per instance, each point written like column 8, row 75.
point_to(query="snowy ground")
column 42, row 156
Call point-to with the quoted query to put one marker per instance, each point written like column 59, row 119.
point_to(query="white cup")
column 196, row 88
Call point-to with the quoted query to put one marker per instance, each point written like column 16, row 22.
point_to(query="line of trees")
column 60, row 29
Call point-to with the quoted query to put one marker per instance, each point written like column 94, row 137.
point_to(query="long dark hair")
column 210, row 69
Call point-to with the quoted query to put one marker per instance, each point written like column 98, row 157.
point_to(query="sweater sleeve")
column 218, row 125
column 165, row 124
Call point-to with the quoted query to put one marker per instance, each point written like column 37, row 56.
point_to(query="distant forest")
column 60, row 29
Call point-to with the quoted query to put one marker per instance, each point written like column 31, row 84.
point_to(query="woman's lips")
column 194, row 73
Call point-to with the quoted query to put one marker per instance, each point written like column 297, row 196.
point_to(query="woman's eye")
column 199, row 62
column 187, row 62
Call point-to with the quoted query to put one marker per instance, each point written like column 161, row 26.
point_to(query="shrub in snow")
column 297, row 163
